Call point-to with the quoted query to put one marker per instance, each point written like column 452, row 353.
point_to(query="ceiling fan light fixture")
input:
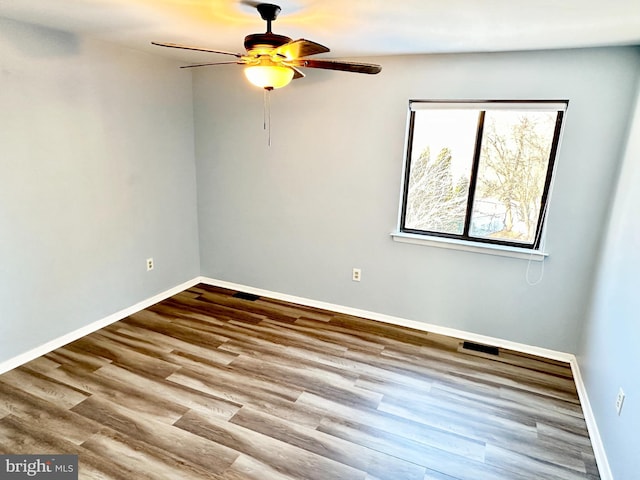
column 272, row 60
column 269, row 76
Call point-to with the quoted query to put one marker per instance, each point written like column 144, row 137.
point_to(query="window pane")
column 511, row 174
column 441, row 158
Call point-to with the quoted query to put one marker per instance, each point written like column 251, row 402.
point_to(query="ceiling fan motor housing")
column 261, row 42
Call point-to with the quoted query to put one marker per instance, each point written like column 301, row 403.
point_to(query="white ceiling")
column 350, row 28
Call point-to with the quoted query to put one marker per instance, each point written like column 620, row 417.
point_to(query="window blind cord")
column 530, row 261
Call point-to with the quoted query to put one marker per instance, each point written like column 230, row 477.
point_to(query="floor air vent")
column 246, row 296
column 477, row 347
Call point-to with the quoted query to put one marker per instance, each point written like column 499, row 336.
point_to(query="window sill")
column 485, row 248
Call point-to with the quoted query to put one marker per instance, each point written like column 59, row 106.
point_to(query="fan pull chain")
column 264, row 110
column 266, row 116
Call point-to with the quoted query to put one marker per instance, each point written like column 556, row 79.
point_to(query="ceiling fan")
column 272, row 60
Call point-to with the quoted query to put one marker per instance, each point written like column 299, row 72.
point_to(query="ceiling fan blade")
column 250, row 3
column 296, row 73
column 197, row 49
column 299, row 48
column 210, row 64
column 355, row 67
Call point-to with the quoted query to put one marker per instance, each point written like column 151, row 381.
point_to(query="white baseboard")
column 92, row 327
column 592, row 426
column 594, row 434
column 417, row 325
column 598, row 447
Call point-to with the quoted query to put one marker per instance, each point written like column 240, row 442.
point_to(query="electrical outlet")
column 619, row 401
column 356, row 274
column 149, row 264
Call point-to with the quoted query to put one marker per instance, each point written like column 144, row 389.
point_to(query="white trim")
column 92, row 327
column 468, row 246
column 403, row 322
column 592, row 426
column 528, row 105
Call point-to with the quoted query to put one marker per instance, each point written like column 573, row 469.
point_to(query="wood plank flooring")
column 205, row 385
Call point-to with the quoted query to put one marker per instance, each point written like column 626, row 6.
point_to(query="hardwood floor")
column 205, row 385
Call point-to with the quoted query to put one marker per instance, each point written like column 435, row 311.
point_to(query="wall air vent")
column 246, row 296
column 477, row 347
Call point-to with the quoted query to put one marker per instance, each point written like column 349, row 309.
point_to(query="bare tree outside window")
column 437, row 202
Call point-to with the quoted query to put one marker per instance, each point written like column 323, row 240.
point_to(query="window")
column 480, row 171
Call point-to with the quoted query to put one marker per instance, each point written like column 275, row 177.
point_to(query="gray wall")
column 609, row 356
column 97, row 173
column 296, row 217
